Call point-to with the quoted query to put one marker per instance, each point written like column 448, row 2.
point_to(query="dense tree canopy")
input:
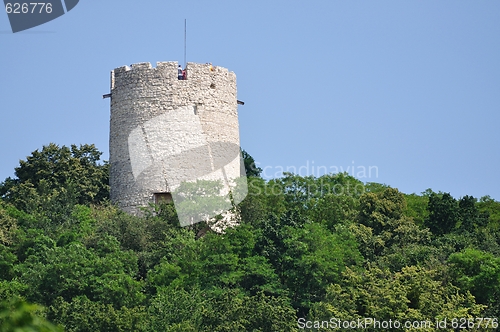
column 305, row 248
column 58, row 173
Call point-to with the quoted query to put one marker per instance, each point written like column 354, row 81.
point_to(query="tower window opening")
column 163, row 198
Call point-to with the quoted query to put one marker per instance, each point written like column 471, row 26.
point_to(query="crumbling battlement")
column 203, row 81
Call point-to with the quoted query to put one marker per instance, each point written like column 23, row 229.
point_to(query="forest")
column 309, row 253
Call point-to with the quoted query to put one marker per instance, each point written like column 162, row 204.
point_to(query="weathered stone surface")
column 164, row 130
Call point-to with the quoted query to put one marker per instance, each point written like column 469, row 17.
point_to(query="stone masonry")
column 164, row 131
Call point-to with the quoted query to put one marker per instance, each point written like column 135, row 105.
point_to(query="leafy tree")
column 416, row 208
column 19, row 316
column 377, row 209
column 7, row 263
column 309, row 247
column 234, row 311
column 56, row 171
column 272, row 234
column 489, row 206
column 83, row 315
column 250, row 168
column 255, row 206
column 478, row 272
column 443, row 213
column 384, row 229
column 102, row 274
column 215, row 261
column 374, row 187
column 151, row 237
column 314, row 258
column 217, row 309
column 8, row 225
column 176, row 309
column 333, row 210
column 414, row 294
column 470, row 217
column 308, row 195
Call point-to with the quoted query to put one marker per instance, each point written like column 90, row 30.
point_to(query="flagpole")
column 185, row 63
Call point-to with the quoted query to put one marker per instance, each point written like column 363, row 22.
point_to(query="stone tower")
column 165, row 132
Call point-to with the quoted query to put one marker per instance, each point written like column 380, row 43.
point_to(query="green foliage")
column 174, row 309
column 470, row 217
column 250, row 168
column 414, row 294
column 478, row 272
column 216, row 261
column 385, row 233
column 332, row 210
column 200, row 200
column 233, row 311
column 84, row 315
column 263, row 198
column 378, row 209
column 19, row 316
column 8, row 225
column 103, row 274
column 373, row 187
column 305, row 247
column 312, row 259
column 489, row 206
column 67, row 175
column 7, row 261
column 416, row 208
column 443, row 213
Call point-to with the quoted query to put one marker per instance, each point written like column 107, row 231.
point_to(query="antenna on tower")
column 185, row 63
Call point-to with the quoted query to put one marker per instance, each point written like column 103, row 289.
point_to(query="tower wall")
column 156, row 117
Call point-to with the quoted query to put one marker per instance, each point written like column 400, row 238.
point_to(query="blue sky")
column 408, row 88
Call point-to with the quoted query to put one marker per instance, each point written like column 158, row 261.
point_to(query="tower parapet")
column 165, row 131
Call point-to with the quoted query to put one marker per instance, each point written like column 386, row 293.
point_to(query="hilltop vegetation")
column 306, row 247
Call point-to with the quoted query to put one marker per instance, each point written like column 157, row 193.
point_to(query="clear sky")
column 408, row 88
